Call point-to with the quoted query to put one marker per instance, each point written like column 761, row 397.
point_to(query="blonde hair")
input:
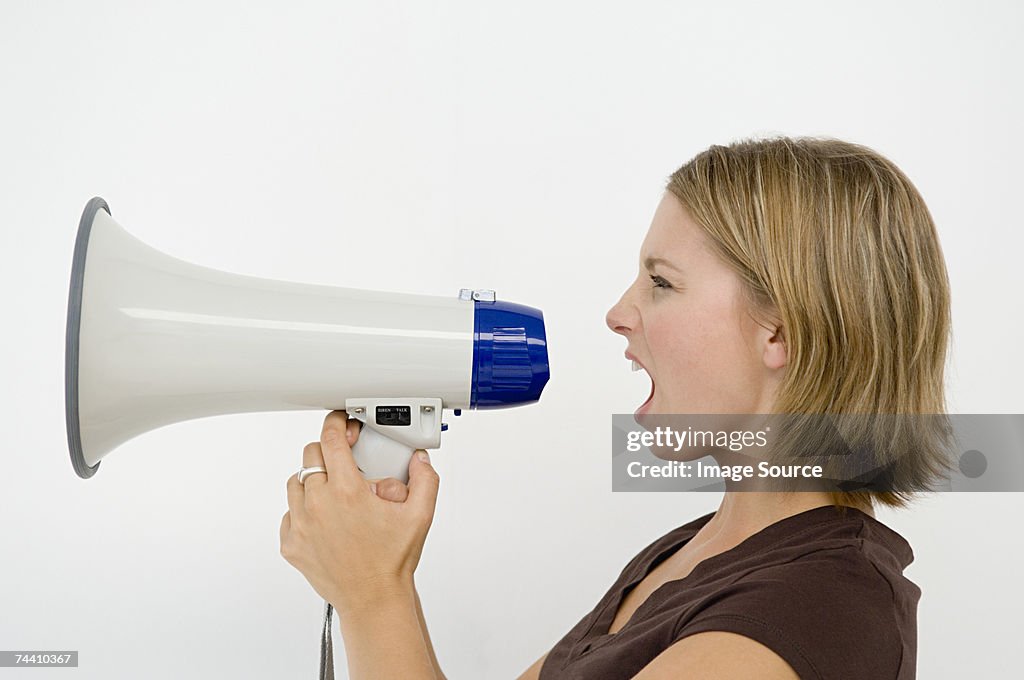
column 832, row 240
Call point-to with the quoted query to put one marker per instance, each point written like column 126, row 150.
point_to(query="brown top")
column 823, row 590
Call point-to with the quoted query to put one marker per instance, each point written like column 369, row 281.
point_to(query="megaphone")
column 153, row 340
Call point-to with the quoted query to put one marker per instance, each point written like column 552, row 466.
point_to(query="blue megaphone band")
column 510, row 354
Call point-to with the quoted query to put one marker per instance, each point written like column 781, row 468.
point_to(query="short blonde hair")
column 834, row 242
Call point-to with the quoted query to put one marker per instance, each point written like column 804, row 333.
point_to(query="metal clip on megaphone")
column 153, row 340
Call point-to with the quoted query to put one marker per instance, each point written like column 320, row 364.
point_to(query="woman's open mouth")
column 643, row 407
column 646, row 404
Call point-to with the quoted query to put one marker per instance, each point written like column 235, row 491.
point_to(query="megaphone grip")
column 379, row 456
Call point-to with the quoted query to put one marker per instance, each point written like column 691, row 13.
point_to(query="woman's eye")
column 659, row 282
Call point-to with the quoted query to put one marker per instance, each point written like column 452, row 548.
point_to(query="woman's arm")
column 426, row 637
column 533, row 672
column 385, row 637
column 716, row 655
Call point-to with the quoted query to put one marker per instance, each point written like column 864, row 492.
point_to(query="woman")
column 780, row 276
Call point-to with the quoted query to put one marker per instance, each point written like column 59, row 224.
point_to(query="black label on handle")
column 394, row 415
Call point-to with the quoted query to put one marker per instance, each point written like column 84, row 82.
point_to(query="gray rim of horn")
column 71, row 341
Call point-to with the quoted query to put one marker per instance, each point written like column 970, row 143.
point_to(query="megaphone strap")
column 326, row 648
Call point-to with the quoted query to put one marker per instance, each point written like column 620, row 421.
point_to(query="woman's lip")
column 635, row 362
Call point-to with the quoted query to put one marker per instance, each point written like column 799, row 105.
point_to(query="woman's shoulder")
column 825, row 590
column 840, row 559
column 828, row 543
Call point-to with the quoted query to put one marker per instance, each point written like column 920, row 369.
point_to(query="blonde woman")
column 793, row 276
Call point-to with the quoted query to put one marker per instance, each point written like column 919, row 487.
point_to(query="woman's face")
column 687, row 325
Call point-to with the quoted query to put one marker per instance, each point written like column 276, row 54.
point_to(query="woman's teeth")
column 636, row 366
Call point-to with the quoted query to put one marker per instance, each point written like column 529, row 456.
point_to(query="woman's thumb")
column 423, row 481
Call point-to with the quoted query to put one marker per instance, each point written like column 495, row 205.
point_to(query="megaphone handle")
column 379, row 456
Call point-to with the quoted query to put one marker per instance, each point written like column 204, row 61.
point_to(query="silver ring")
column 307, row 471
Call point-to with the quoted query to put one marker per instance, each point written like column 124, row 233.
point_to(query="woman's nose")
column 618, row 317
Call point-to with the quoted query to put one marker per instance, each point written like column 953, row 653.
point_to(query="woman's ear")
column 775, row 352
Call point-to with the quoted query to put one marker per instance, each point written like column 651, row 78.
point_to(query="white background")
column 425, row 147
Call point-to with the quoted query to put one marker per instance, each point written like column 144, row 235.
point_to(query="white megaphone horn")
column 154, row 340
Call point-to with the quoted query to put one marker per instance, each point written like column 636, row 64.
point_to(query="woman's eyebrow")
column 651, row 261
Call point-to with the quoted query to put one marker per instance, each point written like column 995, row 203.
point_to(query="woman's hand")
column 353, row 540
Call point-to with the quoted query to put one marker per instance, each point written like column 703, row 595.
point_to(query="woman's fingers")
column 353, row 427
column 286, row 526
column 390, row 489
column 312, row 456
column 337, row 452
column 296, row 500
